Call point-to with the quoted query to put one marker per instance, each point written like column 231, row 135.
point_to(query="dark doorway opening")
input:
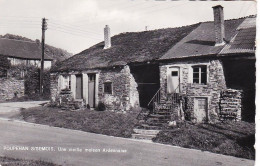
column 148, row 79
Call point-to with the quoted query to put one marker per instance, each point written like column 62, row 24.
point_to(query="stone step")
column 159, row 116
column 143, row 131
column 162, row 113
column 143, row 136
column 149, row 127
column 157, row 122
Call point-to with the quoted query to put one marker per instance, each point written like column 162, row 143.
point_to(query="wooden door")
column 91, row 90
column 201, row 109
column 173, row 80
column 79, row 87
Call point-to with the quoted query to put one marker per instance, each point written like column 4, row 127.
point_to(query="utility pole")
column 44, row 28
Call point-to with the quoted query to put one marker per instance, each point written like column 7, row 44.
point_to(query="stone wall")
column 210, row 91
column 9, row 87
column 124, row 89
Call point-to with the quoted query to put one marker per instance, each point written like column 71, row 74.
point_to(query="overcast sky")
column 75, row 25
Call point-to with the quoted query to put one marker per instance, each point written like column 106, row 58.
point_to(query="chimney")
column 219, row 25
column 107, row 37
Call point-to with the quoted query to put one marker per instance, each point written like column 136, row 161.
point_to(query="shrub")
column 101, row 107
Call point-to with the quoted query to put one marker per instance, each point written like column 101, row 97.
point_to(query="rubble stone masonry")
column 9, row 87
column 211, row 91
column 124, row 89
column 124, row 94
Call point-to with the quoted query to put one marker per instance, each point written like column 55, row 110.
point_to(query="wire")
column 74, row 31
column 75, row 34
column 73, row 27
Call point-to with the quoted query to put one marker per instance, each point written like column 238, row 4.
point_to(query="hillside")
column 57, row 54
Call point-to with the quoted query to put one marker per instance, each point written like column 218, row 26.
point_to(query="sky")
column 77, row 25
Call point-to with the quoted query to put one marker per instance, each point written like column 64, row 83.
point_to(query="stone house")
column 121, row 72
column 208, row 68
column 194, row 71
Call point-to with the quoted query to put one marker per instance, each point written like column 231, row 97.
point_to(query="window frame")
column 111, row 87
column 66, row 81
column 200, row 72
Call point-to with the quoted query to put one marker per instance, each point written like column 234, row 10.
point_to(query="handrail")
column 157, row 92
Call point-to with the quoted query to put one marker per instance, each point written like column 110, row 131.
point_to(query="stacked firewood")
column 230, row 105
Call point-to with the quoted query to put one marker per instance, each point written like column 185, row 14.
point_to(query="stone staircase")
column 144, row 134
column 151, row 123
column 163, row 111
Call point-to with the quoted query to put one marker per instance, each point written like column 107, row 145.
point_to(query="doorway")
column 79, row 91
column 91, row 90
column 201, row 109
column 173, row 80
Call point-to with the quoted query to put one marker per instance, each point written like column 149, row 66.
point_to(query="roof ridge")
column 249, row 16
column 122, row 33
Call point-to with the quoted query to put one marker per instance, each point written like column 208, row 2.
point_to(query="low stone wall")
column 230, row 104
column 10, row 88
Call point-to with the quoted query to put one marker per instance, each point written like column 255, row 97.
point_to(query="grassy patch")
column 7, row 161
column 101, row 122
column 231, row 138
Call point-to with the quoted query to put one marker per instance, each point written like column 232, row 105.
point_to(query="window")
column 67, row 82
column 174, row 73
column 200, row 74
column 108, row 87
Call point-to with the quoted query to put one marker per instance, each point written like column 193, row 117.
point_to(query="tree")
column 4, row 62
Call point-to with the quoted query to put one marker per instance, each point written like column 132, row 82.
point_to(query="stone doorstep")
column 149, row 132
column 143, row 136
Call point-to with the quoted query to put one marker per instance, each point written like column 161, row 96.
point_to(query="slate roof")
column 164, row 44
column 244, row 39
column 126, row 48
column 201, row 41
column 21, row 49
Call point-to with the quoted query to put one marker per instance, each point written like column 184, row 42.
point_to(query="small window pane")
column 174, row 73
column 196, row 75
column 203, row 69
column 196, row 69
column 195, row 80
column 203, row 78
